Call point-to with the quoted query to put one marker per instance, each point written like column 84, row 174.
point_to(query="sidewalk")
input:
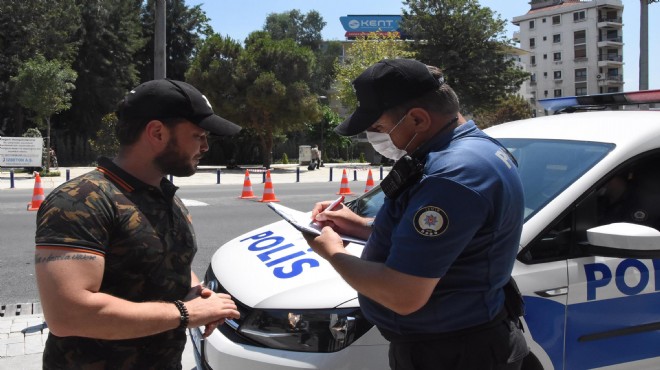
column 23, row 331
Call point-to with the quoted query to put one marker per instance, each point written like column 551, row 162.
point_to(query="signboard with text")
column 359, row 25
column 21, row 151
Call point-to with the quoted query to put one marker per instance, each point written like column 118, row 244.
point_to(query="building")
column 575, row 48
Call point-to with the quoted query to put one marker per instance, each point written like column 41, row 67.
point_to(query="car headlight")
column 318, row 330
column 326, row 330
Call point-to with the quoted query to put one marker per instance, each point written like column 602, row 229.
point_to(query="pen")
column 335, row 203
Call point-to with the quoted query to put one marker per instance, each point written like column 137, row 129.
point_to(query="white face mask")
column 382, row 143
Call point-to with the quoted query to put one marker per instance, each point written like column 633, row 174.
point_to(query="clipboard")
column 301, row 221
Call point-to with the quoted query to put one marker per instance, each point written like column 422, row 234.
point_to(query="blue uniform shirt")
column 461, row 222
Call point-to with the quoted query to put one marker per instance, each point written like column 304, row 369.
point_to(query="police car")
column 588, row 264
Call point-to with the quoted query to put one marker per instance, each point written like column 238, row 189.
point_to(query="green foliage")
column 285, row 158
column 185, row 28
column 304, row 29
column 510, row 108
column 468, row 43
column 44, row 86
column 32, row 132
column 105, row 143
column 364, row 52
column 362, row 158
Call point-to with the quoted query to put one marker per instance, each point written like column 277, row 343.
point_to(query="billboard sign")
column 370, row 23
column 21, row 151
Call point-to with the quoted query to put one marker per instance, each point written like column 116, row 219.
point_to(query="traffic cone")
column 344, row 189
column 370, row 182
column 247, row 187
column 269, row 193
column 37, row 195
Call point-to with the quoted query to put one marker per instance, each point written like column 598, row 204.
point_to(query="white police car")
column 588, row 265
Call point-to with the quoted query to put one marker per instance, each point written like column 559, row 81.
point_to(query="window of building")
column 545, row 74
column 531, row 25
column 580, row 91
column 556, row 19
column 557, row 93
column 612, row 89
column 580, row 74
column 532, row 78
column 579, row 16
column 613, row 35
column 580, row 51
column 556, row 38
column 579, row 37
column 532, row 60
column 545, row 56
column 532, row 43
column 556, row 56
column 545, row 93
column 543, row 20
column 612, row 71
column 544, row 38
column 557, row 75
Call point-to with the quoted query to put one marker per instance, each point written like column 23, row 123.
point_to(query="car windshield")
column 546, row 167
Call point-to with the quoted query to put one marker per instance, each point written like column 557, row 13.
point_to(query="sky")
column 237, row 19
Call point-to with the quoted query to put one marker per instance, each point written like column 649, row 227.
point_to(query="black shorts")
column 497, row 347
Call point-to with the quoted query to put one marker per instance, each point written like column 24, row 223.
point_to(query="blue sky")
column 238, row 18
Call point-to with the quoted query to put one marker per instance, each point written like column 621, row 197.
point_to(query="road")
column 219, row 215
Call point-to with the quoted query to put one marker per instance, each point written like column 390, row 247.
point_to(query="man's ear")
column 156, row 134
column 421, row 118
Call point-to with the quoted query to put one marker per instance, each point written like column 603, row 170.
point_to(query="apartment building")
column 575, row 48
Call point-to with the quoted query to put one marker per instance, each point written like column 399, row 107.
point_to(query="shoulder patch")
column 431, row 221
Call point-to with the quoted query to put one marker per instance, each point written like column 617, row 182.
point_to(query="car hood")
column 274, row 267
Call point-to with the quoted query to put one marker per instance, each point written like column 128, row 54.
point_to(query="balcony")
column 609, row 80
column 610, row 60
column 604, row 41
column 605, row 22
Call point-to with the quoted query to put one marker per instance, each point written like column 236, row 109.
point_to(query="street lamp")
column 322, row 99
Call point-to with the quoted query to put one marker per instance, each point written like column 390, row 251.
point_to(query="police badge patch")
column 431, row 221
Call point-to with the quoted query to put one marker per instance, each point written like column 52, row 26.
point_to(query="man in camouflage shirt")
column 114, row 247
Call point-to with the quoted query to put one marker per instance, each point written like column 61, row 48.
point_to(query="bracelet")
column 185, row 318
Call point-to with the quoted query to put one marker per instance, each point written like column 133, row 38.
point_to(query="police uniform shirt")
column 146, row 237
column 461, row 222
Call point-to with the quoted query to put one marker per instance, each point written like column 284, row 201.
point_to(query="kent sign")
column 363, row 24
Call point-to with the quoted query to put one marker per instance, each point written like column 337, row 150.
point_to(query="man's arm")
column 401, row 293
column 69, row 284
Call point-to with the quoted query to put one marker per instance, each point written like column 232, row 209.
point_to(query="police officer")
column 442, row 247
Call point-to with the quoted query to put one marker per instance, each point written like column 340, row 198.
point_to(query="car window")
column 368, row 204
column 630, row 193
column 547, row 167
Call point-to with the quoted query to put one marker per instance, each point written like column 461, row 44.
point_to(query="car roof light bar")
column 600, row 101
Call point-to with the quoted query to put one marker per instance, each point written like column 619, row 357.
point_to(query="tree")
column 323, row 132
column 44, row 88
column 28, row 28
column 273, row 92
column 468, row 43
column 364, row 52
column 105, row 143
column 510, row 108
column 185, row 28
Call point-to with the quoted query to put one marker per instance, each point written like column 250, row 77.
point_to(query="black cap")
column 385, row 85
column 174, row 99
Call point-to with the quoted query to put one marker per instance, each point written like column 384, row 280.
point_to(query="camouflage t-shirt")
column 147, row 239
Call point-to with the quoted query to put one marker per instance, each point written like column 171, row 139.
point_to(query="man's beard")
column 172, row 162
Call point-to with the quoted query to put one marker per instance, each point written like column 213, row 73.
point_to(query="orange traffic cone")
column 344, row 189
column 37, row 195
column 269, row 193
column 247, row 187
column 370, row 182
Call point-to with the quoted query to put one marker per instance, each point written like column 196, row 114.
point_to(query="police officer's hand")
column 341, row 219
column 326, row 244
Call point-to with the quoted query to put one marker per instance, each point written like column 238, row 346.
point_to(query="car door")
column 612, row 312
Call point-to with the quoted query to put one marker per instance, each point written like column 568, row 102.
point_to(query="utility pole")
column 644, row 43
column 159, row 41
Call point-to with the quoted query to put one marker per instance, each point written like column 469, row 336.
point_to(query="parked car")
column 588, row 264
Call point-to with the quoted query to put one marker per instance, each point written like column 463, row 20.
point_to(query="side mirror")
column 624, row 240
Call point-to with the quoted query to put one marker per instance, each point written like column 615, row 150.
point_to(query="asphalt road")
column 219, row 215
